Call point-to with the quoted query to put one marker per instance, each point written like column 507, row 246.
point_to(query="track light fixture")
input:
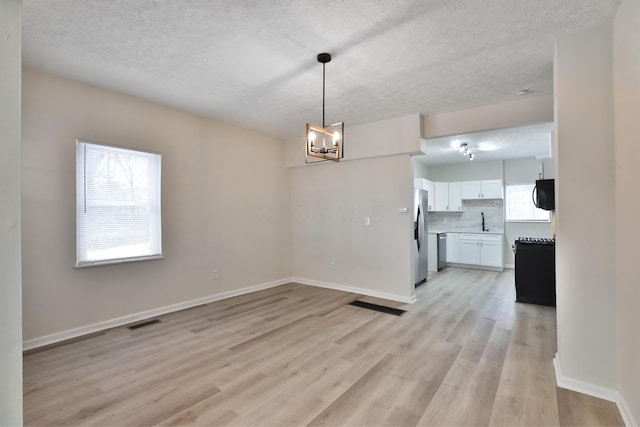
column 463, row 148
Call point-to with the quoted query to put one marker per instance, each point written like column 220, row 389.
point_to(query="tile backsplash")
column 470, row 218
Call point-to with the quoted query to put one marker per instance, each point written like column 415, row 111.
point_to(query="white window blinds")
column 117, row 205
column 519, row 204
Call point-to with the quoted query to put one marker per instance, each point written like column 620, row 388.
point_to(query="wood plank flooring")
column 464, row 354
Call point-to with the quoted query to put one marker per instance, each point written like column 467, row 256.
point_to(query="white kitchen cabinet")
column 470, row 190
column 442, row 196
column 453, row 247
column 491, row 189
column 431, row 195
column 481, row 249
column 487, row 189
column 447, row 197
column 491, row 250
column 455, row 199
column 469, row 249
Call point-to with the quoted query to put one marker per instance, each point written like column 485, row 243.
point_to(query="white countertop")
column 465, row 231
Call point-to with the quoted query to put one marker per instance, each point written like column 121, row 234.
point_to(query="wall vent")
column 379, row 308
column 143, row 324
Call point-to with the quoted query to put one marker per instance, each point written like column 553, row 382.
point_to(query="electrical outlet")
column 214, row 274
column 332, row 266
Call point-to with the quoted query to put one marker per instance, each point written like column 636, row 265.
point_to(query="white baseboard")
column 626, row 414
column 596, row 391
column 130, row 318
column 355, row 290
column 509, row 266
column 581, row 386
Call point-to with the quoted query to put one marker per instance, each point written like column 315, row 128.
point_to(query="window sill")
column 87, row 264
column 533, row 221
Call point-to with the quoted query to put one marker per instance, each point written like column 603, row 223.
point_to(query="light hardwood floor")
column 464, row 354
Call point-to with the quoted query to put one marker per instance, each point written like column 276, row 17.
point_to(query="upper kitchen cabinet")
column 487, row 189
column 442, row 196
column 455, row 197
column 447, row 197
column 431, row 195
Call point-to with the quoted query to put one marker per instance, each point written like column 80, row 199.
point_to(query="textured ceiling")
column 533, row 141
column 253, row 62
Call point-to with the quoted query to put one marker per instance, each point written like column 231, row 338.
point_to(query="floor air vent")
column 376, row 307
column 143, row 324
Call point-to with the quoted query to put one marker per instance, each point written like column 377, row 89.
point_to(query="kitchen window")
column 519, row 204
column 118, row 215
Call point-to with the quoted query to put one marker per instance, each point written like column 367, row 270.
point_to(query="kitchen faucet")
column 482, row 214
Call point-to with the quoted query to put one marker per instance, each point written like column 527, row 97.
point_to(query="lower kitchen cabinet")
column 469, row 249
column 481, row 249
column 491, row 251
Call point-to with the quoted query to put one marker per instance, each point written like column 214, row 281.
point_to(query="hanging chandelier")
column 326, row 141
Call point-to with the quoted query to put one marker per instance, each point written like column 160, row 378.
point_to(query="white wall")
column 626, row 78
column 469, row 171
column 526, row 171
column 10, row 306
column 331, row 245
column 329, row 204
column 585, row 248
column 224, row 191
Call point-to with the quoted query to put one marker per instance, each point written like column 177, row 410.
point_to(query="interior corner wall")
column 224, row 206
column 585, row 237
column 420, row 170
column 10, row 272
column 626, row 78
column 331, row 243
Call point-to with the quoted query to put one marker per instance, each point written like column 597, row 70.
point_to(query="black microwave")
column 544, row 195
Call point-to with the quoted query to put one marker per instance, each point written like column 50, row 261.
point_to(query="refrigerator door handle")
column 417, row 228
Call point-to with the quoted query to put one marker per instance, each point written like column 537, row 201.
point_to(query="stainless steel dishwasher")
column 442, row 250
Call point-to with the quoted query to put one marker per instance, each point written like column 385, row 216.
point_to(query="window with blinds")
column 118, row 215
column 519, row 205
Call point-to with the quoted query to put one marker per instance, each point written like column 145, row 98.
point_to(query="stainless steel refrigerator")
column 420, row 204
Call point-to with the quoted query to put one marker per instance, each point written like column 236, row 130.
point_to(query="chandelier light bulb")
column 336, row 138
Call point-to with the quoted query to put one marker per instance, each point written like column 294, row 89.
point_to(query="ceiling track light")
column 324, row 142
column 463, row 148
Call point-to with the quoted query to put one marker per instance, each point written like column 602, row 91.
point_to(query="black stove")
column 535, row 270
column 535, row 240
